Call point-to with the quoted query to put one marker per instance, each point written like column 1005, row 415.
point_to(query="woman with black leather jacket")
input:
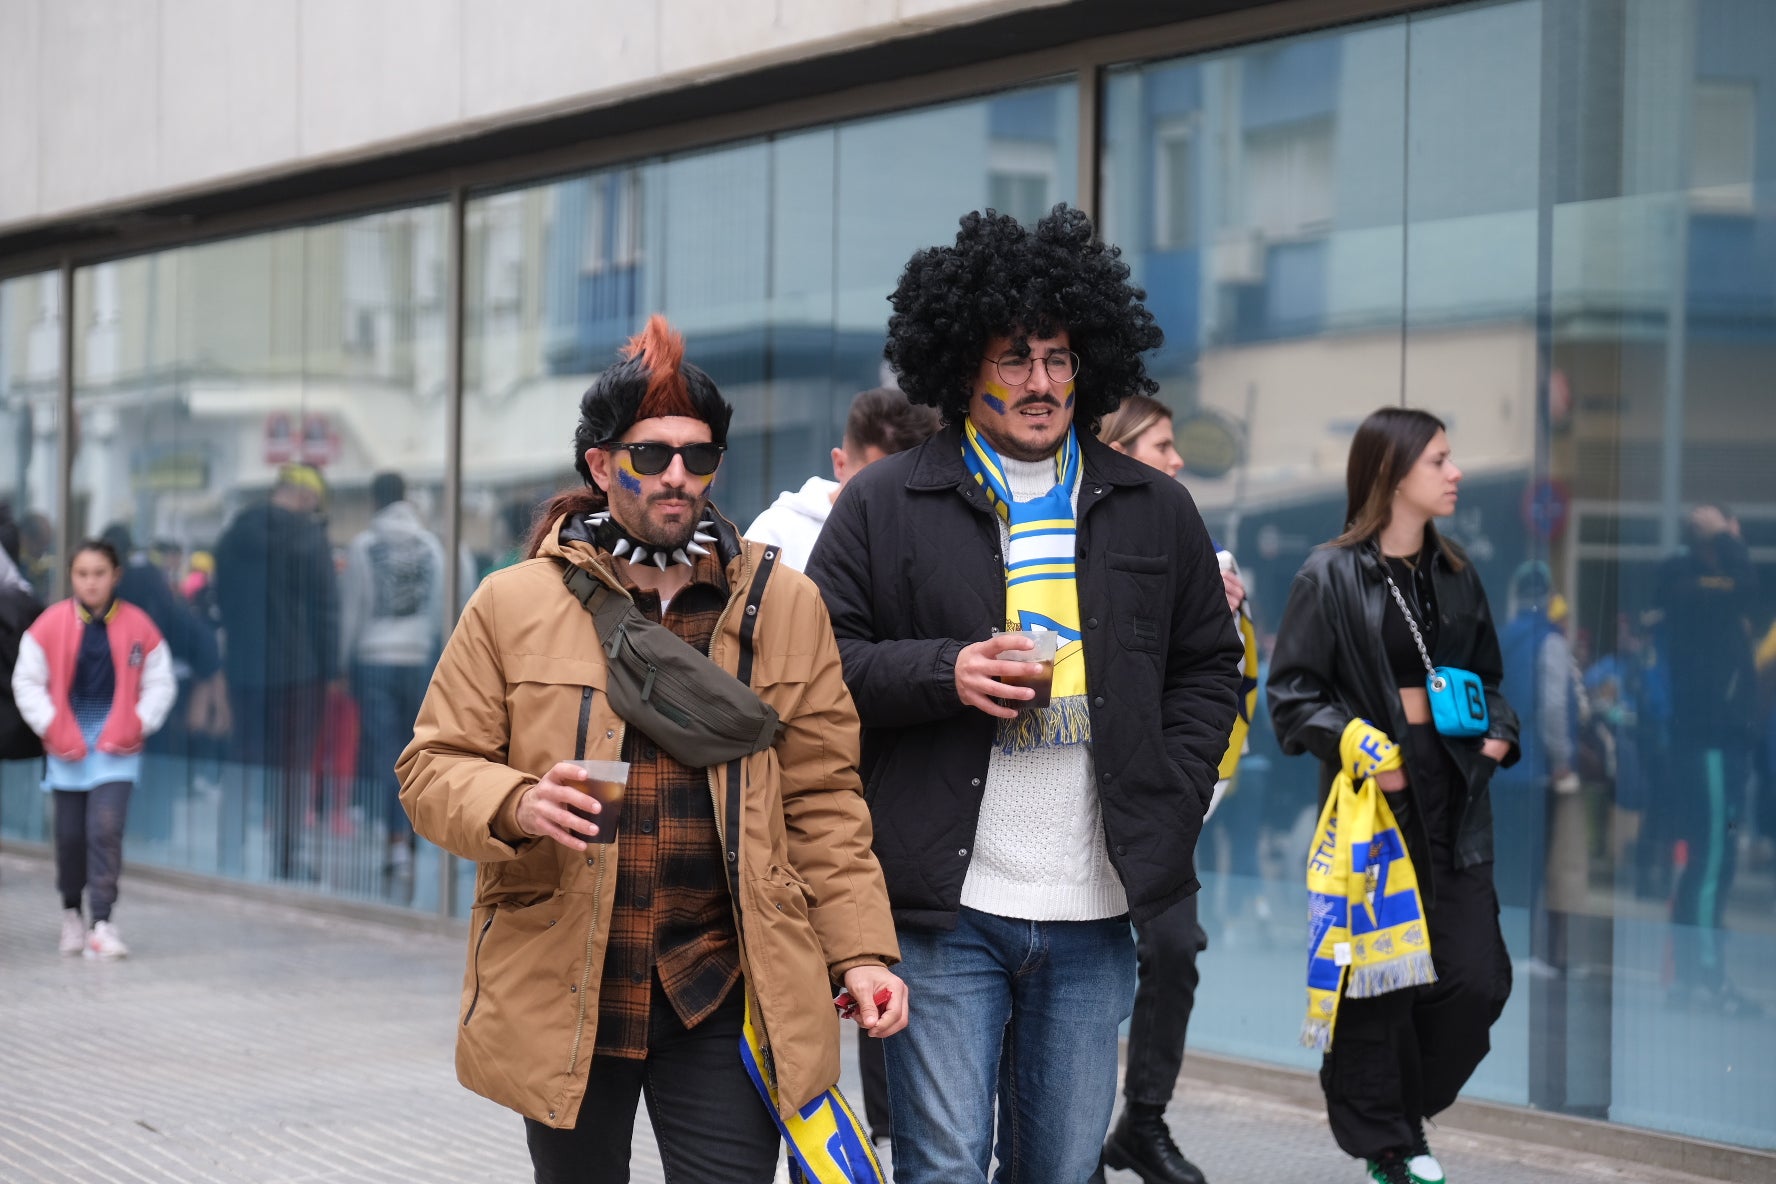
column 1346, row 650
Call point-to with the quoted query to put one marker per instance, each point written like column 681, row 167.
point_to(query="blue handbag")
column 1458, row 697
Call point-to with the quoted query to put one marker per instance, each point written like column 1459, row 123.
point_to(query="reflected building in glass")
column 1550, row 222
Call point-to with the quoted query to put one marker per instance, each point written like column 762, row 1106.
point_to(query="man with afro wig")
column 1020, row 830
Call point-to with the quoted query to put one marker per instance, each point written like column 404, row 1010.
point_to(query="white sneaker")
column 73, row 932
column 103, row 942
column 1425, row 1169
column 1421, row 1163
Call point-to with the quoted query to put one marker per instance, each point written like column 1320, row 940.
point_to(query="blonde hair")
column 1131, row 420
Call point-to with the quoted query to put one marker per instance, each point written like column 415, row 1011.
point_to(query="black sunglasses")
column 650, row 460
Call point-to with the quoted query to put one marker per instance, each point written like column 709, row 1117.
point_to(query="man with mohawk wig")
column 731, row 901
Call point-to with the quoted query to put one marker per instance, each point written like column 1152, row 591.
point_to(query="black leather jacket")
column 1329, row 667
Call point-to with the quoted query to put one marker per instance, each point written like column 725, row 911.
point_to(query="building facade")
column 383, row 240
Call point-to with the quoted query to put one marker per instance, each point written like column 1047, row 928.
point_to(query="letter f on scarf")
column 1366, row 927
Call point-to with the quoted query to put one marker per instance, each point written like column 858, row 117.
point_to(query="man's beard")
column 632, row 514
column 1000, row 436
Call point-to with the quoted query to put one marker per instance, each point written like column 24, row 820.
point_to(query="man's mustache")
column 1036, row 401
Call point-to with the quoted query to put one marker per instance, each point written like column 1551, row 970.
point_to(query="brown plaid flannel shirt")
column 672, row 913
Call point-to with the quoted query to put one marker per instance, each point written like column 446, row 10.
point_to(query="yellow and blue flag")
column 826, row 1142
column 1366, row 924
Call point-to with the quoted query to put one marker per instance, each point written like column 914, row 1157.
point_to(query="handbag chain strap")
column 1411, row 622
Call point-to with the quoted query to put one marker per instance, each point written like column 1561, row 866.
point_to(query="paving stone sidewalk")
column 249, row 1043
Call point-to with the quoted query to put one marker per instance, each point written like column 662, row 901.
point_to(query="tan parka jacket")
column 521, row 686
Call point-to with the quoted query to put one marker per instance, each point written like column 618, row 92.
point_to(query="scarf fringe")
column 1409, row 970
column 1317, row 1035
column 1064, row 721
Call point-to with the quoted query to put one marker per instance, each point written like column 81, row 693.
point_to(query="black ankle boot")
column 1140, row 1142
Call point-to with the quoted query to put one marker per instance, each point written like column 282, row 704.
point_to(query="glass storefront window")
column 774, row 257
column 261, row 434
column 30, row 379
column 1553, row 228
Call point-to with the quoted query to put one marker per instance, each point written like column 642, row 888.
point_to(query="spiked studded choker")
column 609, row 536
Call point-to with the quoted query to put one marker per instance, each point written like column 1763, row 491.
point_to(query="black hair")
column 9, row 532
column 650, row 379
column 386, row 489
column 98, row 545
column 1001, row 280
column 119, row 536
column 883, row 419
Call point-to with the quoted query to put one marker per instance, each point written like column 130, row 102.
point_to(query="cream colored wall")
column 1308, row 396
column 110, row 102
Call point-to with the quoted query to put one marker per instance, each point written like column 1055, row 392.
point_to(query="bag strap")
column 755, row 595
column 1411, row 622
column 607, row 608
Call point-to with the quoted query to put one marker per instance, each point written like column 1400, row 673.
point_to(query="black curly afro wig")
column 1002, row 280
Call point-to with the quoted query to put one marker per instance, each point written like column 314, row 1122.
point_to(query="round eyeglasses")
column 1015, row 369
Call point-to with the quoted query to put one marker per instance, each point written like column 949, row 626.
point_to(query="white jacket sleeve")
column 159, row 689
column 30, row 686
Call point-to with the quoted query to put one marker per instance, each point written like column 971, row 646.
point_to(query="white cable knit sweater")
column 1039, row 850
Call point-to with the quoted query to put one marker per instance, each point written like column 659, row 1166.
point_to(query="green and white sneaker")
column 1422, row 1165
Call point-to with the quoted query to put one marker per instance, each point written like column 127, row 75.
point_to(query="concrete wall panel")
column 98, row 101
column 229, row 86
column 533, row 54
column 377, row 71
column 109, row 103
column 21, row 26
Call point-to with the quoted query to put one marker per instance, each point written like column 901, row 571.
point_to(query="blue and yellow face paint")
column 997, row 397
column 627, row 477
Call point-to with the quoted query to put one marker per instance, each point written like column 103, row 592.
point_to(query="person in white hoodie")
column 391, row 632
column 881, row 422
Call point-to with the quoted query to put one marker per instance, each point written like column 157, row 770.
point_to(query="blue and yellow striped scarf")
column 825, row 1141
column 1365, row 917
column 1041, row 588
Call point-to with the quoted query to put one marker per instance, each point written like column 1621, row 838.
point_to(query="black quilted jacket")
column 910, row 568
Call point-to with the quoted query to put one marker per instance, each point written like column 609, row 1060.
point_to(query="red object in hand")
column 848, row 1006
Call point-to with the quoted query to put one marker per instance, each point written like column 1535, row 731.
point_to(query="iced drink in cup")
column 1041, row 663
column 604, row 782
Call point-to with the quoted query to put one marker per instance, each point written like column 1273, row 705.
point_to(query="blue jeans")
column 1027, row 1009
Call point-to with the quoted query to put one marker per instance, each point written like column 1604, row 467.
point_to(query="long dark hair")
column 573, row 503
column 1383, row 451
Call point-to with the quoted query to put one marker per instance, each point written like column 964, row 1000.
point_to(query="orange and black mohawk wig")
column 650, row 380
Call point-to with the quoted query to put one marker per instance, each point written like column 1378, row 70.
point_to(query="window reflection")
column 30, row 325
column 260, row 429
column 775, row 257
column 1371, row 216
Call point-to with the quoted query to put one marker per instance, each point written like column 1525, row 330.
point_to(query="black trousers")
column 89, row 845
column 709, row 1121
column 1165, row 949
column 1405, row 1055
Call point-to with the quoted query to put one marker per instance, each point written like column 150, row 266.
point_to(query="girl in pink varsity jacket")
column 94, row 679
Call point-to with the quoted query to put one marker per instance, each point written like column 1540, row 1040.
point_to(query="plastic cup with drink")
column 604, row 782
column 1041, row 664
